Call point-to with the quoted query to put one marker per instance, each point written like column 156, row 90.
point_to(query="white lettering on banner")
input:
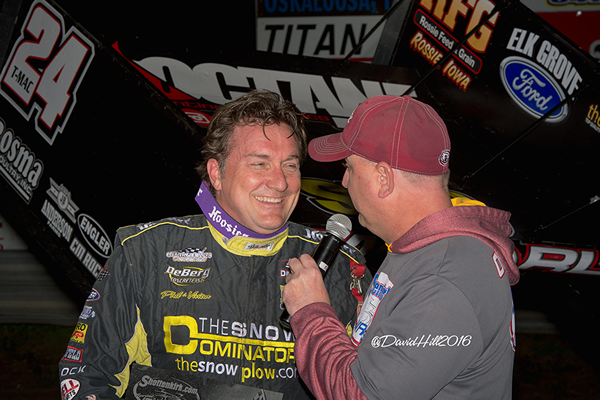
column 321, row 6
column 474, row 11
column 88, row 261
column 548, row 56
column 559, row 259
column 219, row 83
column 559, row 65
column 56, row 222
column 318, row 36
column 18, row 163
column 94, row 235
column 522, row 41
column 62, row 58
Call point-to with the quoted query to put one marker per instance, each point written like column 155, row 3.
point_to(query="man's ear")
column 385, row 176
column 214, row 173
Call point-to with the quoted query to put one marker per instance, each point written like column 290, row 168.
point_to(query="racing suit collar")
column 233, row 235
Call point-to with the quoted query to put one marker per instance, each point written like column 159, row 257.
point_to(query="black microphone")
column 338, row 227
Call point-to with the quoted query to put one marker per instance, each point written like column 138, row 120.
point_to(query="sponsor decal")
column 72, row 371
column 69, row 388
column 45, row 68
column 531, row 88
column 86, row 258
column 384, row 341
column 199, row 117
column 147, row 225
column 541, row 77
column 498, row 263
column 219, row 219
column 313, row 235
column 328, row 99
column 56, row 222
column 104, row 273
column 196, row 295
column 87, row 313
column 328, row 29
column 150, row 388
column 326, row 37
column 188, row 275
column 436, row 23
column 380, row 286
column 451, row 71
column 79, row 333
column 259, row 246
column 593, row 117
column 242, row 347
column 62, row 197
column 448, row 16
column 284, row 272
column 94, row 235
column 559, row 259
column 18, row 164
column 444, row 158
column 91, row 231
column 94, row 295
column 73, row 354
column 190, row 254
column 445, row 40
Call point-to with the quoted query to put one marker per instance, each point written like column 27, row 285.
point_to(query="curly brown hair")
column 256, row 107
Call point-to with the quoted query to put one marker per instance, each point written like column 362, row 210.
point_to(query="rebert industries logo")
column 535, row 91
column 188, row 275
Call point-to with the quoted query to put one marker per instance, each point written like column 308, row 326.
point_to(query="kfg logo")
column 45, row 69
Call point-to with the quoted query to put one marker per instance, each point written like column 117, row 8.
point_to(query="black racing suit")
column 174, row 296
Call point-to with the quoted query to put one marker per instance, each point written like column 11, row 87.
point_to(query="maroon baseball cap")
column 407, row 134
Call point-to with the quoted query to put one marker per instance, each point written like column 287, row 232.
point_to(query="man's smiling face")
column 261, row 182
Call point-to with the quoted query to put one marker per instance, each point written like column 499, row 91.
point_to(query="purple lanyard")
column 223, row 222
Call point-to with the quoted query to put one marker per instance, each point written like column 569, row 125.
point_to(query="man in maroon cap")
column 438, row 319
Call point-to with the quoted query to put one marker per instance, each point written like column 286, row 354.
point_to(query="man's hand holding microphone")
column 304, row 284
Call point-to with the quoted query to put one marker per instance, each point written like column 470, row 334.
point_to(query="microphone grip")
column 324, row 254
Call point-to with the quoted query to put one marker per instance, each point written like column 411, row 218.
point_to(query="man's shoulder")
column 162, row 227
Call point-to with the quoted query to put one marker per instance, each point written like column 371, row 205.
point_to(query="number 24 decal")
column 45, row 69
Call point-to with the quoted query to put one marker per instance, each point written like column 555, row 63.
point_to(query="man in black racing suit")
column 202, row 294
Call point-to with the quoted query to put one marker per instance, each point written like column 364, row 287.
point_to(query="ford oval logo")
column 532, row 89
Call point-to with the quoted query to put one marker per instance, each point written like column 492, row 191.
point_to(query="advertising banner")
column 576, row 19
column 520, row 101
column 322, row 28
column 100, row 126
column 84, row 145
